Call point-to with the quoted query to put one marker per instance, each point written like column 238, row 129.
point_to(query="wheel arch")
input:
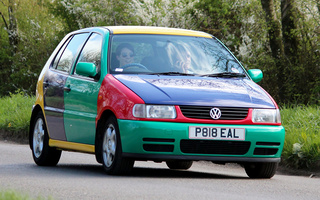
column 104, row 116
column 36, row 109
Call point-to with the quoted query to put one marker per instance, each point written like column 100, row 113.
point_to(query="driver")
column 125, row 54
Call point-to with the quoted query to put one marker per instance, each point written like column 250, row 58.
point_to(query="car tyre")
column 261, row 170
column 111, row 150
column 43, row 154
column 178, row 164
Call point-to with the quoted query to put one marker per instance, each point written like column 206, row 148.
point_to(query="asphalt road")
column 79, row 176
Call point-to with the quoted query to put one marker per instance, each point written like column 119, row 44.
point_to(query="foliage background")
column 30, row 30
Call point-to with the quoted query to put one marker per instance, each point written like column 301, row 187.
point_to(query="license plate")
column 216, row 133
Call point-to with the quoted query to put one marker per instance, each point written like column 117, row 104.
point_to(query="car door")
column 82, row 96
column 54, row 85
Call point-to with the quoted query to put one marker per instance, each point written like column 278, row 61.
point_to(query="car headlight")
column 266, row 116
column 154, row 111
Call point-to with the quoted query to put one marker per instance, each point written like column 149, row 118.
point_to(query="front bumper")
column 160, row 141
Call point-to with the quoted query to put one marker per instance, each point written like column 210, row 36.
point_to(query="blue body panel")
column 197, row 91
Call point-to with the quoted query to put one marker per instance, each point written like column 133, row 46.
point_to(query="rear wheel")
column 43, row 154
column 111, row 150
column 178, row 164
column 261, row 170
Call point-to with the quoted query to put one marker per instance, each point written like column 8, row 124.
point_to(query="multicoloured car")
column 132, row 93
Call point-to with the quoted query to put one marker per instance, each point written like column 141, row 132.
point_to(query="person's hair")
column 124, row 45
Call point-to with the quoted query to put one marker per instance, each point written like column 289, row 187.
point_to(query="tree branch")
column 4, row 20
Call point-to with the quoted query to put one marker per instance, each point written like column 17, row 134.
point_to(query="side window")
column 56, row 60
column 70, row 52
column 91, row 52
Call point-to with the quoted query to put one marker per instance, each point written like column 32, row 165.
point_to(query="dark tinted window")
column 91, row 52
column 70, row 52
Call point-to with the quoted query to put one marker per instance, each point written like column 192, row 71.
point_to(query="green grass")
column 13, row 195
column 302, row 143
column 15, row 112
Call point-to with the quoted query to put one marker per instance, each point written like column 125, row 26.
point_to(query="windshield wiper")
column 172, row 74
column 225, row 74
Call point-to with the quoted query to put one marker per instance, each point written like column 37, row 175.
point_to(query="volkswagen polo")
column 129, row 94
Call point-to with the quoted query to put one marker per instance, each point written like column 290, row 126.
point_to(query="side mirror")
column 86, row 69
column 255, row 74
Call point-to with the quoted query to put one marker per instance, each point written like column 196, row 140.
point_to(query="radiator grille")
column 203, row 112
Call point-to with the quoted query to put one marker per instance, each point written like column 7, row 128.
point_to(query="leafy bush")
column 302, row 143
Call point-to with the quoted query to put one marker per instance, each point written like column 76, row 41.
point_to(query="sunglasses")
column 125, row 55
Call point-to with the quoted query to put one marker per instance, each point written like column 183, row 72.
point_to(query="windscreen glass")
column 151, row 54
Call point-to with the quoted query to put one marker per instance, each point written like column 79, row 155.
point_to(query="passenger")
column 184, row 60
column 180, row 58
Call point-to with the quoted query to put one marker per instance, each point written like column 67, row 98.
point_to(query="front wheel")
column 43, row 154
column 261, row 170
column 111, row 150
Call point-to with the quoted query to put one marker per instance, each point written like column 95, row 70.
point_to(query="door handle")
column 46, row 84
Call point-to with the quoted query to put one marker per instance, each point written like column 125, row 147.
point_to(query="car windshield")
column 166, row 54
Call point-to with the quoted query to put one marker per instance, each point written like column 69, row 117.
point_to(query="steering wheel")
column 135, row 65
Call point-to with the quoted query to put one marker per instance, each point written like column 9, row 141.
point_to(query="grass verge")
column 13, row 195
column 302, row 144
column 15, row 112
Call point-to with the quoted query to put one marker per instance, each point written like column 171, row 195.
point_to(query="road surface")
column 79, row 176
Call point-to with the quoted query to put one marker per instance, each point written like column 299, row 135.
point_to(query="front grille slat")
column 158, row 147
column 265, row 151
column 203, row 112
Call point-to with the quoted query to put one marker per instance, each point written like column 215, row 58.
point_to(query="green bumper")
column 147, row 140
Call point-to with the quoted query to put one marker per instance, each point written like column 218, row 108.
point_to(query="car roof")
column 155, row 30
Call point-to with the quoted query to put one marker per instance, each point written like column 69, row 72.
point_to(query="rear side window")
column 56, row 59
column 67, row 55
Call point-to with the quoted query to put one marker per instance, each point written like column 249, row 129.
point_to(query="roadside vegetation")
column 15, row 112
column 280, row 37
column 302, row 143
column 13, row 195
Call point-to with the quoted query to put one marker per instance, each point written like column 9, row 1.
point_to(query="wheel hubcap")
column 38, row 137
column 109, row 145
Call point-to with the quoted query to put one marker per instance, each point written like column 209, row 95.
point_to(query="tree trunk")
column 274, row 28
column 276, row 44
column 12, row 27
column 288, row 27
